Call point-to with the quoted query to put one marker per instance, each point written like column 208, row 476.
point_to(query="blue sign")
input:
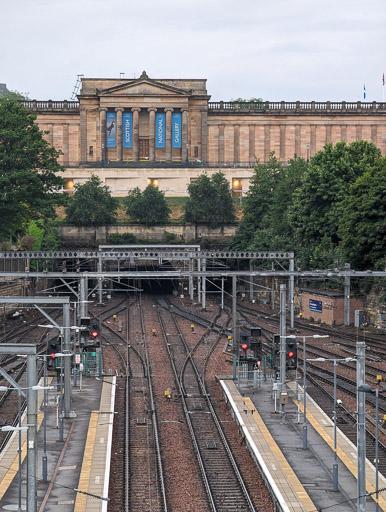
column 160, row 122
column 111, row 129
column 316, row 305
column 127, row 121
column 176, row 130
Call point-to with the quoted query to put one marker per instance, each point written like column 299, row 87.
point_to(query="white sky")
column 278, row 49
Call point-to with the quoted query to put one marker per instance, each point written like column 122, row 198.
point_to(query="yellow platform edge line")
column 289, row 473
column 14, row 468
column 341, row 454
column 303, row 499
column 84, row 478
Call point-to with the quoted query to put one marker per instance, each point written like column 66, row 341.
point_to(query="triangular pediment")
column 143, row 87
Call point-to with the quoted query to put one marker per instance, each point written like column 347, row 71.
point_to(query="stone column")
column 267, row 142
column 359, row 132
column 374, row 134
column 204, row 135
column 66, row 145
column 169, row 134
column 328, row 133
column 103, row 132
column 221, row 144
column 313, row 140
column 83, row 135
column 136, row 112
column 50, row 135
column 252, row 144
column 119, row 150
column 298, row 140
column 152, row 112
column 184, row 137
column 236, row 144
column 343, row 133
column 282, row 142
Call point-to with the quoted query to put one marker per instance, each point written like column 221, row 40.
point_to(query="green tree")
column 363, row 224
column 91, row 204
column 317, row 204
column 13, row 95
column 148, row 207
column 29, row 184
column 265, row 223
column 210, row 201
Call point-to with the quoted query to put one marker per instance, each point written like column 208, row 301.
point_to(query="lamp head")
column 365, row 388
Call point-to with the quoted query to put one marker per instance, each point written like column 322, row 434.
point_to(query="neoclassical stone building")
column 167, row 132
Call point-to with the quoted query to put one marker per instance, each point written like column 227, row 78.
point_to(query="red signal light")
column 52, row 355
column 94, row 334
column 244, row 346
column 291, row 354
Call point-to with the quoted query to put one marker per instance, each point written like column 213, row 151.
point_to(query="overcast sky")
column 276, row 49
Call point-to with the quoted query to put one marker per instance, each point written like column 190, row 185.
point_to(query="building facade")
column 166, row 132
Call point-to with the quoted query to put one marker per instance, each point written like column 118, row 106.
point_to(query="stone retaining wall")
column 93, row 236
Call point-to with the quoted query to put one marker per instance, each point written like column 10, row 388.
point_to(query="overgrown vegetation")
column 29, row 180
column 333, row 208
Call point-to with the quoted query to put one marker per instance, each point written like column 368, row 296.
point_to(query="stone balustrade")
column 264, row 107
column 296, row 107
column 66, row 106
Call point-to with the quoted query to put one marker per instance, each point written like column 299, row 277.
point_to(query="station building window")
column 237, row 184
column 69, row 185
column 237, row 187
column 152, row 181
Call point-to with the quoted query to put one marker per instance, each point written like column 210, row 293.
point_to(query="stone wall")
column 88, row 236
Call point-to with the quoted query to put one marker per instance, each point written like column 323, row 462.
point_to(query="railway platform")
column 299, row 479
column 78, row 467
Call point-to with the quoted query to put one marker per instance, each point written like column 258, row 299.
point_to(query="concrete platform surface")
column 65, row 459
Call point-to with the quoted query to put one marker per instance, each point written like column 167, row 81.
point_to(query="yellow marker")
column 154, row 332
column 379, row 378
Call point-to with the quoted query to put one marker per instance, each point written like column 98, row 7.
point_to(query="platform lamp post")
column 62, row 354
column 44, row 456
column 336, row 403
column 20, row 428
column 315, row 336
column 365, row 388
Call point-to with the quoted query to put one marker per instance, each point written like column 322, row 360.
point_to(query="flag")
column 383, row 80
column 364, row 91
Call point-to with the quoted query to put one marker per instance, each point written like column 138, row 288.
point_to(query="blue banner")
column 160, row 122
column 316, row 305
column 176, row 130
column 127, row 121
column 111, row 129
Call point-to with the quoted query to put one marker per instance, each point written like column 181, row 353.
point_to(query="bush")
column 148, row 207
column 91, row 204
column 122, row 239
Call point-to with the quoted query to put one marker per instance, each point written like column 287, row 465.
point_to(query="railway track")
column 346, row 419
column 346, row 385
column 143, row 485
column 224, row 486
